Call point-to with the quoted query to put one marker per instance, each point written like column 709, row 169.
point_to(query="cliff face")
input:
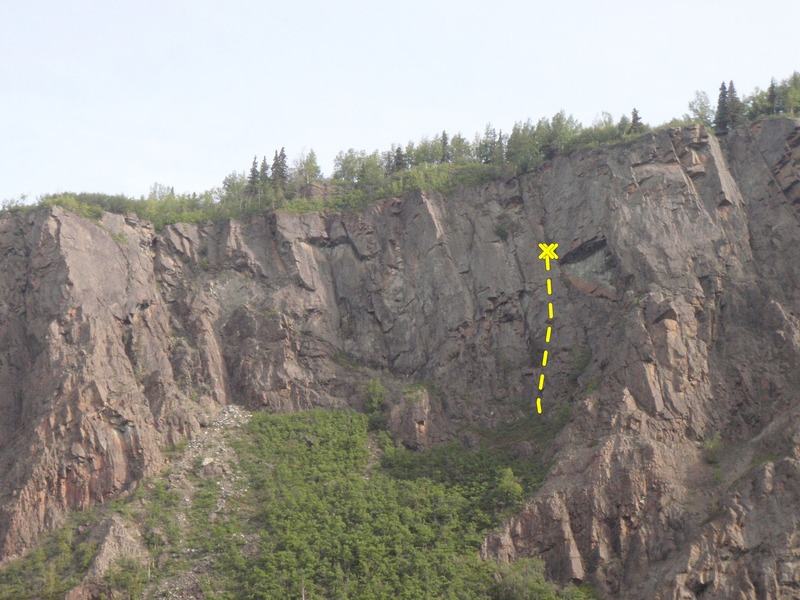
column 695, row 248
column 679, row 270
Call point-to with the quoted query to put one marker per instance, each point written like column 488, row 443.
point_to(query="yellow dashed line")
column 548, row 252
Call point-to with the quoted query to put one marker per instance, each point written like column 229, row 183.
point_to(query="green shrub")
column 509, row 491
column 331, row 526
column 712, row 448
column 375, row 404
column 127, row 577
column 73, row 204
column 160, row 528
column 523, row 580
column 314, row 517
column 51, row 569
column 591, row 386
column 176, row 450
column 501, row 231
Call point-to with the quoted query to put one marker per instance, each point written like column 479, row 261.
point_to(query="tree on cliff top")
column 252, row 180
column 700, row 109
column 280, row 172
column 636, row 122
column 735, row 107
column 722, row 120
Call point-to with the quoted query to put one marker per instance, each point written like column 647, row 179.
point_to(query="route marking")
column 548, row 252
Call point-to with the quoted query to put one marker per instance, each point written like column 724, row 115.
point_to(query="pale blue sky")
column 113, row 97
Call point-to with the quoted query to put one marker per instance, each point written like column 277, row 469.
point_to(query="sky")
column 114, row 97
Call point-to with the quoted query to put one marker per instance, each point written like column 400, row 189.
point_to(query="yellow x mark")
column 548, row 252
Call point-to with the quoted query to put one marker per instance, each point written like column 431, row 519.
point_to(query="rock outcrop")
column 678, row 275
column 683, row 270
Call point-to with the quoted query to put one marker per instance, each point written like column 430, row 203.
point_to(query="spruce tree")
column 735, row 107
column 446, row 154
column 772, row 98
column 252, row 180
column 263, row 180
column 400, row 163
column 263, row 173
column 636, row 122
column 722, row 118
column 280, row 172
column 387, row 161
column 487, row 145
column 499, row 156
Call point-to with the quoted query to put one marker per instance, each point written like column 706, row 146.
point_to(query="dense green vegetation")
column 63, row 557
column 55, row 566
column 329, row 526
column 438, row 163
column 314, row 517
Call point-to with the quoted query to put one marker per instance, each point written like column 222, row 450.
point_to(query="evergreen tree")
column 772, row 98
column 446, row 153
column 252, row 180
column 487, row 145
column 636, row 122
column 387, row 161
column 735, row 107
column 400, row 163
column 721, row 118
column 280, row 172
column 499, row 156
column 263, row 180
column 263, row 173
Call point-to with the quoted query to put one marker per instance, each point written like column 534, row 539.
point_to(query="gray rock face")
column 682, row 267
column 679, row 269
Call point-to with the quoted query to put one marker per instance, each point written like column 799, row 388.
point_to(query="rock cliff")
column 677, row 288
